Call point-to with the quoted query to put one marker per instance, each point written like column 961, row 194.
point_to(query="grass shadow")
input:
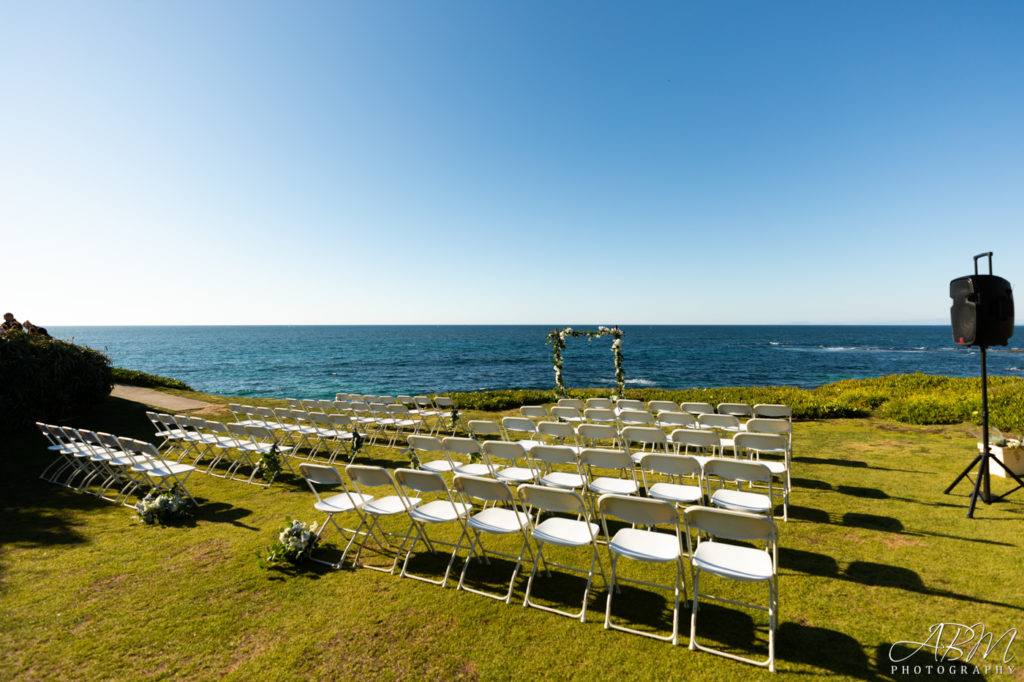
column 811, row 563
column 811, row 514
column 221, row 512
column 810, row 483
column 829, row 650
column 868, row 493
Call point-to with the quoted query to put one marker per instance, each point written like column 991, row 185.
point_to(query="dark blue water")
column 316, row 362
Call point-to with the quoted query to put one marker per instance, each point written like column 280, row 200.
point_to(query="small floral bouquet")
column 268, row 466
column 163, row 508
column 295, row 541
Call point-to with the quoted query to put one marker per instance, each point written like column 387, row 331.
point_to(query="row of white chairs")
column 100, row 463
column 741, row 410
column 544, row 516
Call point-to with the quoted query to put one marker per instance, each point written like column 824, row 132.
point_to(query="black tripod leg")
column 982, row 472
column 1020, row 483
column 962, row 474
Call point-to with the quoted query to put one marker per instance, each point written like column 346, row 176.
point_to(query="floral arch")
column 557, row 337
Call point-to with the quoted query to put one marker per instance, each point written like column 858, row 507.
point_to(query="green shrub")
column 136, row 378
column 47, row 379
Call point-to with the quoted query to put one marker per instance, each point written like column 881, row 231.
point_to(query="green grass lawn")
column 873, row 554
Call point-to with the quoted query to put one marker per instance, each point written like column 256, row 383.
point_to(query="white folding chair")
column 440, row 510
column 469, row 448
column 522, row 426
column 601, row 403
column 739, row 472
column 773, row 411
column 485, row 429
column 558, row 433
column 734, row 562
column 372, row 511
column 561, row 532
column 601, row 415
column 738, row 410
column 753, row 445
column 161, row 474
column 595, row 461
column 697, row 408
column 568, row 477
column 726, row 425
column 574, row 403
column 495, row 520
column 432, row 447
column 704, row 444
column 535, row 412
column 630, row 404
column 675, row 420
column 598, row 435
column 656, row 406
column 635, row 418
column 568, row 414
column 515, row 466
column 682, row 484
column 318, row 476
column 640, row 441
column 649, row 546
column 446, row 410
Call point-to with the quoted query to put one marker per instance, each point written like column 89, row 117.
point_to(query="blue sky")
column 506, row 162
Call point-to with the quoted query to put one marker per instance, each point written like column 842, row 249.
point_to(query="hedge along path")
column 163, row 401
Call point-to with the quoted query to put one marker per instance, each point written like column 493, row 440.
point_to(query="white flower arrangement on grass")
column 166, row 507
column 295, row 541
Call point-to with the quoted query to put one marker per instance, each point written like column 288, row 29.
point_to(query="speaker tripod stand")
column 981, row 479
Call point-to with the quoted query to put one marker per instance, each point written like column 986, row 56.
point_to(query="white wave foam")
column 641, row 382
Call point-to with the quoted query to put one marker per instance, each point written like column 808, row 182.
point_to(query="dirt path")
column 163, row 401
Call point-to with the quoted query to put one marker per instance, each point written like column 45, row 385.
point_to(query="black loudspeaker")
column 982, row 311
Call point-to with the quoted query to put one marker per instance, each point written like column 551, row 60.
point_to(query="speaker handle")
column 982, row 255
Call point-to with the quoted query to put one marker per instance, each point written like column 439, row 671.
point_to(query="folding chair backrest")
column 697, row 408
column 325, row 405
column 367, row 475
column 602, row 458
column 695, row 438
column 742, row 410
column 601, row 403
column 534, row 411
column 519, row 424
column 423, row 402
column 640, row 510
column 294, row 403
column 645, row 435
column 238, row 430
column 725, row 523
column 556, row 430
column 421, row 481
column 773, row 411
column 320, row 474
column 386, row 399
column 483, row 488
column 596, row 432
column 260, row 433
column 718, row 421
column 406, row 400
column 600, row 415
column 762, row 425
column 677, row 419
column 572, row 402
column 485, row 427
column 657, row 406
column 503, row 450
column 636, row 417
column 554, row 454
column 426, row 444
column 341, row 422
column 631, row 405
column 461, row 446
column 444, row 402
column 567, row 412
column 672, row 465
column 552, row 499
column 737, row 470
column 762, row 442
column 311, row 405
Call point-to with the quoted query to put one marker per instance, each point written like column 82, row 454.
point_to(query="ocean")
column 319, row 361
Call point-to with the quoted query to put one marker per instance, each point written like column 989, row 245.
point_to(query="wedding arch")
column 557, row 337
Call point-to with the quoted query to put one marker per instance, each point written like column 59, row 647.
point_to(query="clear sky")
column 546, row 162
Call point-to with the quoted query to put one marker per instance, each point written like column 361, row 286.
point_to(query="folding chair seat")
column 485, row 429
column 697, row 408
column 683, row 478
column 269, row 417
column 132, row 479
column 471, row 449
column 558, row 433
column 110, row 463
column 649, row 546
column 192, row 441
column 402, row 421
column 431, row 446
column 656, row 406
column 161, row 431
column 364, row 420
column 328, row 436
column 738, row 410
column 344, row 433
column 550, row 456
column 742, row 563
column 742, row 472
column 383, row 421
column 561, row 532
column 675, row 420
column 507, row 519
column 597, row 435
column 726, row 425
column 440, row 510
column 224, row 447
column 300, row 431
column 753, row 445
column 574, row 403
column 372, row 511
column 428, row 412
column 601, row 403
column 319, row 476
column 702, row 444
column 63, row 463
column 640, row 441
column 568, row 414
column 535, row 412
column 515, row 465
column 262, row 440
column 161, row 474
column 522, row 426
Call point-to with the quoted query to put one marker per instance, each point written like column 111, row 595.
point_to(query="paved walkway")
column 164, row 401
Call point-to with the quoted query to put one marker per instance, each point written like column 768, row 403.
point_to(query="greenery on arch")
column 557, row 337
